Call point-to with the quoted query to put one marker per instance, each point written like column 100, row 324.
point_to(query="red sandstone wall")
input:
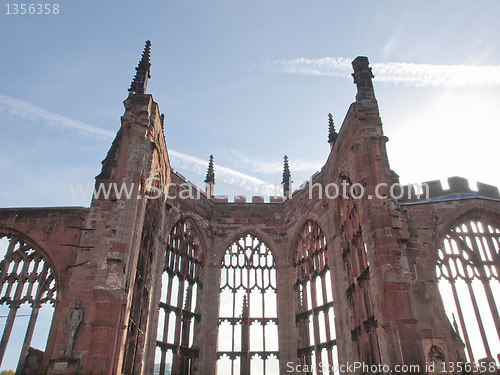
column 56, row 232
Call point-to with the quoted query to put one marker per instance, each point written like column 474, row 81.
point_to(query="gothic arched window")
column 354, row 255
column 27, row 284
column 248, row 324
column 468, row 270
column 178, row 303
column 315, row 318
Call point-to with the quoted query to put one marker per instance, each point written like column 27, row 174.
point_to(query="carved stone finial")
column 363, row 79
column 332, row 134
column 210, row 179
column 74, row 319
column 143, row 73
column 162, row 120
column 286, row 177
column 210, row 172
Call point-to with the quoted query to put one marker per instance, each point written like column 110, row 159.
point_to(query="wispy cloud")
column 420, row 75
column 180, row 160
column 224, row 176
column 297, row 166
column 326, row 66
column 36, row 114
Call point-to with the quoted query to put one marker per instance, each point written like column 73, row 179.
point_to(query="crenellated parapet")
column 183, row 188
column 433, row 191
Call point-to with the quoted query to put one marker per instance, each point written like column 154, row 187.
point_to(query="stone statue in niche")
column 74, row 319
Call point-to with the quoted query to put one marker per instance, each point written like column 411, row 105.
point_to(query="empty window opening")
column 356, row 265
column 248, row 324
column 317, row 343
column 179, row 310
column 467, row 270
column 28, row 296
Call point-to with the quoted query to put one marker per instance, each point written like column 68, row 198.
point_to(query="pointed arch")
column 179, row 307
column 356, row 266
column 309, row 217
column 9, row 232
column 468, row 274
column 242, row 232
column 248, row 323
column 137, row 336
column 467, row 210
column 314, row 316
column 196, row 225
column 27, row 278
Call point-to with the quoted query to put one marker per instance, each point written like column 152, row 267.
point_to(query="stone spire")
column 142, row 75
column 210, row 179
column 286, row 177
column 363, row 79
column 332, row 134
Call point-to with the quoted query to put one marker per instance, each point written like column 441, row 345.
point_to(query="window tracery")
column 468, row 270
column 315, row 317
column 248, row 324
column 27, row 280
column 354, row 255
column 178, row 306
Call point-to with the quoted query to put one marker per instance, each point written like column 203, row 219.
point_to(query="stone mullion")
column 14, row 306
column 31, row 281
column 263, row 292
column 245, row 339
column 487, row 289
column 491, row 303
column 306, row 320
column 27, row 338
column 326, row 314
column 321, row 259
column 240, row 263
column 165, row 325
column 484, row 280
column 315, row 322
column 233, row 315
column 186, row 327
column 21, row 279
column 8, row 329
column 178, row 325
column 462, row 321
column 42, row 284
column 478, row 319
column 491, row 248
column 234, row 309
column 305, row 358
column 186, row 323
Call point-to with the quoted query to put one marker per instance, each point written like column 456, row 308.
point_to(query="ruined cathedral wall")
column 55, row 232
column 109, row 250
column 428, row 223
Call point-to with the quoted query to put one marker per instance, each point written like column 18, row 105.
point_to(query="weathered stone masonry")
column 380, row 254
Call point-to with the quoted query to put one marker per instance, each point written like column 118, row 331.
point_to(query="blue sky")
column 246, row 81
